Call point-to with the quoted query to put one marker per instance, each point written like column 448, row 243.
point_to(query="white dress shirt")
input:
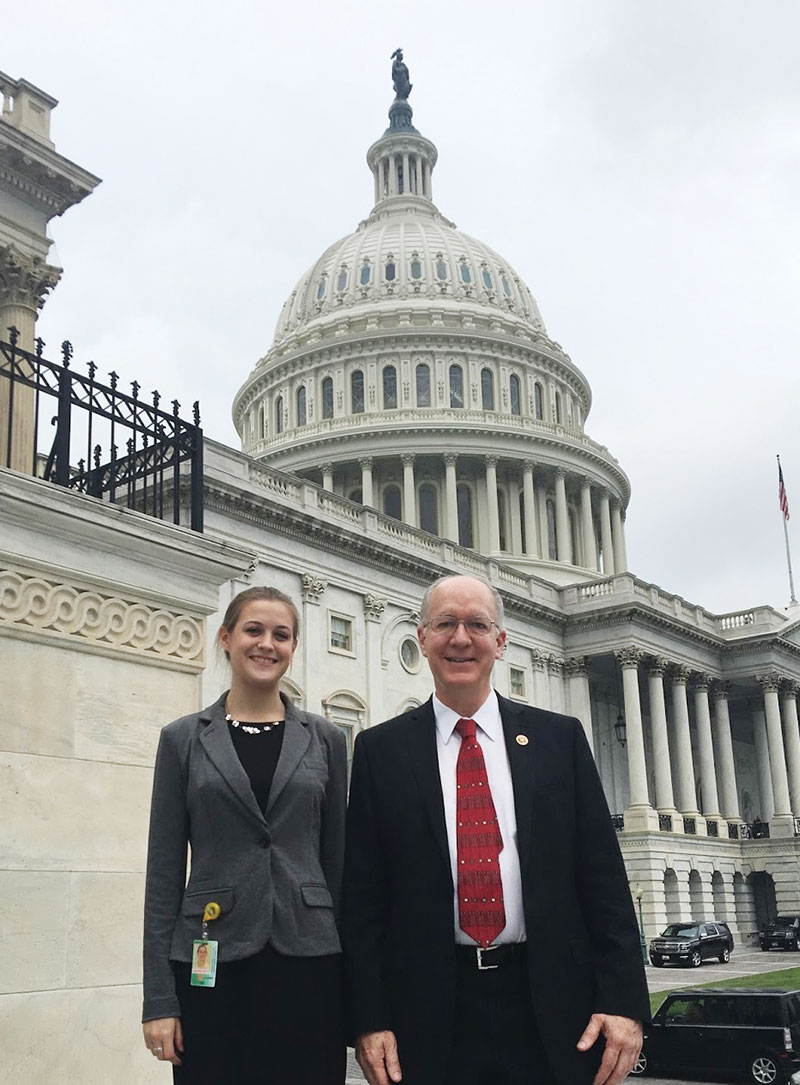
column 489, row 734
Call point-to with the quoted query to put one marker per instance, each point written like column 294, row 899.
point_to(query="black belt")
column 478, row 959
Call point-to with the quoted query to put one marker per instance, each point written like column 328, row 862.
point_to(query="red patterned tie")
column 481, row 913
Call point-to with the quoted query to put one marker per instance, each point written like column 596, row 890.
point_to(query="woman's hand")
column 164, row 1039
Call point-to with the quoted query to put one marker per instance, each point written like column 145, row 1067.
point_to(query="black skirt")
column 269, row 1020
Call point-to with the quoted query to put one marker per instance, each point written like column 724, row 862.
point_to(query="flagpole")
column 785, row 519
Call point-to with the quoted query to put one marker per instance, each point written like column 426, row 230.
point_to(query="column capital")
column 312, row 587
column 327, row 467
column 629, row 657
column 26, row 279
column 539, row 659
column 560, row 472
column 450, row 458
column 769, row 682
column 491, row 461
column 374, row 607
column 790, row 691
column 555, row 664
column 586, row 482
column 529, row 465
column 680, row 674
column 407, row 459
column 720, row 689
column 702, row 681
column 576, row 667
column 657, row 666
column 365, row 462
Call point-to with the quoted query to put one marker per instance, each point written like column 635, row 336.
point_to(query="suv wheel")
column 725, row 956
column 640, row 1065
column 764, row 948
column 695, row 960
column 656, row 962
column 764, row 1070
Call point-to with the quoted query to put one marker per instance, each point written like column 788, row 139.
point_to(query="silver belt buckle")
column 479, row 952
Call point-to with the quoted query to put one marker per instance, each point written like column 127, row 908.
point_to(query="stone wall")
column 102, row 642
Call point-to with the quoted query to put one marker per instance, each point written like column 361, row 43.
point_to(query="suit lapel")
column 217, row 743
column 296, row 740
column 420, row 735
column 522, row 760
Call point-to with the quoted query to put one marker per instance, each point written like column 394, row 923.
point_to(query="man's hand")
column 623, row 1044
column 376, row 1054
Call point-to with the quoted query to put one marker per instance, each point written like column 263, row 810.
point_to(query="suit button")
column 265, row 841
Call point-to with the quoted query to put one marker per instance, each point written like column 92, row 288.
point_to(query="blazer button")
column 265, row 841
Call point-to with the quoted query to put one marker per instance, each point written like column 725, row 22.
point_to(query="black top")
column 259, row 755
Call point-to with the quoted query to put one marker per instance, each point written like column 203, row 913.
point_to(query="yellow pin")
column 211, row 911
column 522, row 740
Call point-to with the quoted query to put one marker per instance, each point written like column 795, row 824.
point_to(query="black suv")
column 726, row 1029
column 691, row 944
column 783, row 931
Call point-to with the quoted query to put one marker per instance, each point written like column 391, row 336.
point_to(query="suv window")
column 759, row 1011
column 722, row 1011
column 792, row 1004
column 680, row 930
column 686, row 1011
column 708, row 928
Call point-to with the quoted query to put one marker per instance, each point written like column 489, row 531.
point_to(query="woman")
column 242, row 964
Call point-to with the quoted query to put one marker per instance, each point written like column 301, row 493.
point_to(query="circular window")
column 409, row 654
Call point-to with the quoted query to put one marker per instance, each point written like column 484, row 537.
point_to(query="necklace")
column 253, row 728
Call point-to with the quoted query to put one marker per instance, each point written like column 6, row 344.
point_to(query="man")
column 489, row 931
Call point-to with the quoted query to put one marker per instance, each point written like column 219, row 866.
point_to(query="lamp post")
column 642, row 938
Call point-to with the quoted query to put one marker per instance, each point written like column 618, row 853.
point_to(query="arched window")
column 301, row 405
column 357, row 392
column 488, row 282
column 355, row 495
column 390, row 271
column 456, row 386
column 365, row 275
column 441, row 268
column 538, row 400
column 322, row 287
column 487, row 390
column 389, row 388
column 506, row 287
column 423, row 381
column 522, row 522
column 464, row 500
column 341, row 280
column 552, row 551
column 262, row 422
column 327, row 397
column 513, row 387
column 502, row 520
column 391, row 502
column 416, row 267
column 558, row 408
column 279, row 414
column 466, row 274
column 428, row 508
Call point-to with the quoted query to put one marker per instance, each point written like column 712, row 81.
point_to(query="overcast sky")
column 637, row 162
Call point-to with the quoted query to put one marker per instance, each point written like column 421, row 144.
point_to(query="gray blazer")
column 277, row 878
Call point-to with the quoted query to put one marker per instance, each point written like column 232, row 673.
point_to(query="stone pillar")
column 406, row 174
column 724, row 745
column 451, row 499
column 605, row 534
column 665, row 799
column 791, row 735
column 24, row 283
column 587, row 526
column 563, row 538
column 687, row 800
column 639, row 814
column 313, row 640
column 705, row 747
column 541, row 510
column 529, row 510
column 770, row 684
column 392, row 176
column 618, row 536
column 541, row 688
column 426, row 178
column 491, row 505
column 409, row 490
column 580, row 702
column 555, row 668
column 766, row 809
column 327, row 476
column 366, row 480
column 374, row 607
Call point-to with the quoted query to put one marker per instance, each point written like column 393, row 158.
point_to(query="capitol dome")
column 411, row 371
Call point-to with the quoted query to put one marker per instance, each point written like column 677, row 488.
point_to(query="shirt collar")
column 487, row 718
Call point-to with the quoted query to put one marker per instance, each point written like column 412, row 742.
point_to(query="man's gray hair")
column 498, row 602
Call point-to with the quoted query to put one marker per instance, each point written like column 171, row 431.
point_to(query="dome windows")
column 456, row 386
column 301, row 405
column 422, row 376
column 488, row 281
column 538, row 401
column 327, row 397
column 415, row 266
column 506, row 285
column 464, row 505
column 389, row 388
column 514, row 391
column 392, row 502
column 487, row 390
column 390, row 269
column 429, row 508
column 341, row 280
column 365, row 275
column 322, row 288
column 464, row 271
column 279, row 414
column 441, row 267
column 357, row 392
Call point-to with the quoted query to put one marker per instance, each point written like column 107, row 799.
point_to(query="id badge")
column 204, row 963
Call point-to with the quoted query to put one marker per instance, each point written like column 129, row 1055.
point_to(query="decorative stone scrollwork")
column 769, row 682
column 657, row 666
column 539, row 659
column 702, row 681
column 720, row 689
column 374, row 607
column 629, row 657
column 99, row 617
column 680, row 674
column 575, row 667
column 790, row 690
column 26, row 279
column 312, row 587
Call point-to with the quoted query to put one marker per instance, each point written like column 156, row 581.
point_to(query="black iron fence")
column 105, row 443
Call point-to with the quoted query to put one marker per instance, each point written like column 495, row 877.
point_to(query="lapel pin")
column 522, row 740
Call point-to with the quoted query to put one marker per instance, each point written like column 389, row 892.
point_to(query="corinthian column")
column 791, row 736
column 665, row 799
column 529, row 510
column 618, row 533
column 366, row 480
column 683, row 741
column 639, row 814
column 327, row 476
column 587, row 526
column 605, row 534
column 563, row 539
column 777, row 758
column 705, row 747
column 724, row 744
column 409, row 490
column 580, row 702
column 451, row 498
column 491, row 502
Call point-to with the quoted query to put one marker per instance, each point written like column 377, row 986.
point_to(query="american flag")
column 782, row 499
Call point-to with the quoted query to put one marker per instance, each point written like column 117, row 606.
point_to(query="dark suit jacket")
column 276, row 876
column 583, row 943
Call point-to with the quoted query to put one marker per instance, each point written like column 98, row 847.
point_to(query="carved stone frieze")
column 102, row 618
column 312, row 587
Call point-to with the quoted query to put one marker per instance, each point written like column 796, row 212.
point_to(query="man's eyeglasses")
column 446, row 625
